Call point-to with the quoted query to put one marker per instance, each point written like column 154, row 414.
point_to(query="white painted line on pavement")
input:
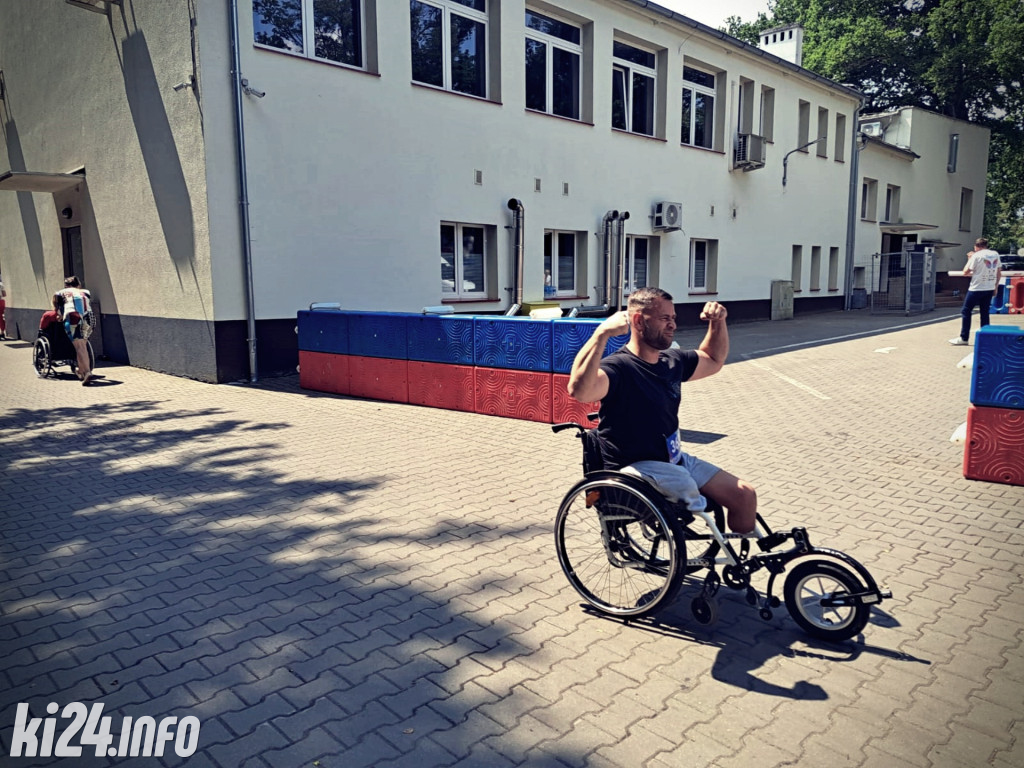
column 788, row 380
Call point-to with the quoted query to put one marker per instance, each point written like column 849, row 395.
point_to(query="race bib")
column 675, row 448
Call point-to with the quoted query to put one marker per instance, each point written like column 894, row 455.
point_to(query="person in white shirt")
column 984, row 269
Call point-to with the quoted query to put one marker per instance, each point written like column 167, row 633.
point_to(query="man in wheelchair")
column 640, row 393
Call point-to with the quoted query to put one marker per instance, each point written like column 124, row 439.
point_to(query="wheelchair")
column 53, row 348
column 624, row 548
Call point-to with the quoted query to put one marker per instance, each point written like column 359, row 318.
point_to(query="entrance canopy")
column 899, row 228
column 34, row 181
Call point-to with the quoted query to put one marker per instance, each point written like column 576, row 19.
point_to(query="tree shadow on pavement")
column 172, row 561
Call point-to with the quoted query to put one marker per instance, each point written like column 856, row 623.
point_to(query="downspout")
column 851, row 209
column 518, row 224
column 243, row 191
column 620, row 245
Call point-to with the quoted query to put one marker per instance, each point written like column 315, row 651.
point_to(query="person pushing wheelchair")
column 640, row 393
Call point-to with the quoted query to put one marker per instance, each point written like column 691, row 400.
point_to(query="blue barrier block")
column 569, row 334
column 323, row 331
column 440, row 339
column 997, row 375
column 378, row 334
column 999, row 305
column 510, row 342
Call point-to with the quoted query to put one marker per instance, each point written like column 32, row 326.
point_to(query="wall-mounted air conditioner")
column 750, row 151
column 872, row 129
column 668, row 216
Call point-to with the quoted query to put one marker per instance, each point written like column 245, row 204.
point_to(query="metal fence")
column 903, row 282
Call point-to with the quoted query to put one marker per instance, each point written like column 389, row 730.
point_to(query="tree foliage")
column 961, row 59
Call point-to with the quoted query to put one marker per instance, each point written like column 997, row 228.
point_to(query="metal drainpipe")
column 518, row 224
column 851, row 210
column 606, row 226
column 620, row 243
column 243, row 190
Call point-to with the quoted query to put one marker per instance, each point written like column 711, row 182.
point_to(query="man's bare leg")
column 738, row 498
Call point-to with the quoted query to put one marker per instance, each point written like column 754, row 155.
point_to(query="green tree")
column 961, row 59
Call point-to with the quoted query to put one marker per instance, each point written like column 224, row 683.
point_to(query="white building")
column 369, row 154
column 923, row 181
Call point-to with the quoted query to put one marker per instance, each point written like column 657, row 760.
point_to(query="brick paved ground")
column 331, row 580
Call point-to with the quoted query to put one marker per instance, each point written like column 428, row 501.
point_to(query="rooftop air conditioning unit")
column 872, row 129
column 668, row 216
column 750, row 151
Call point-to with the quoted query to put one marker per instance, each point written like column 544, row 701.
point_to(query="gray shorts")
column 678, row 482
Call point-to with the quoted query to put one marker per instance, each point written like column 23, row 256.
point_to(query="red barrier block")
column 442, row 385
column 323, row 372
column 514, row 394
column 994, row 450
column 1015, row 296
column 566, row 408
column 379, row 378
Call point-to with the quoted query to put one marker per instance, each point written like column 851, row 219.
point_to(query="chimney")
column 785, row 42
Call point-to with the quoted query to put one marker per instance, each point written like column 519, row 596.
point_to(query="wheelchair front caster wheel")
column 766, row 614
column 705, row 610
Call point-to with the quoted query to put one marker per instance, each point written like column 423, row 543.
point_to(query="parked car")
column 1012, row 262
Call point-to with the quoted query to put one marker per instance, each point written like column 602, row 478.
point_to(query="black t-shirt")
column 641, row 408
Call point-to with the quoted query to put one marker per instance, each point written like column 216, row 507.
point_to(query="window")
column 797, row 267
column 803, row 124
column 449, row 44
column 966, row 203
column 815, row 268
column 954, row 152
column 822, row 146
column 768, row 113
column 892, row 203
column 638, row 263
column 634, row 79
column 833, row 269
column 463, row 261
column 840, row 154
column 331, row 30
column 868, row 199
column 560, row 257
column 698, row 108
column 553, row 54
column 745, row 123
column 703, row 266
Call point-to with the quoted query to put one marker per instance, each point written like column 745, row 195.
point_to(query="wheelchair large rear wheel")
column 616, row 546
column 41, row 358
column 814, row 581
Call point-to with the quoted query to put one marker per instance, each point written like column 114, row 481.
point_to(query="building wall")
column 91, row 93
column 928, row 192
column 351, row 172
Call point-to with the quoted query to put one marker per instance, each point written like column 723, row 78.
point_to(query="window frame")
column 459, row 292
column 552, row 42
column 628, row 274
column 554, row 257
column 306, row 12
column 702, row 287
column 630, row 69
column 449, row 8
column 694, row 89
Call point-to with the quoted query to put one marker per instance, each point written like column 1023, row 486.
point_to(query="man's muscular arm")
column 714, row 349
column 587, row 382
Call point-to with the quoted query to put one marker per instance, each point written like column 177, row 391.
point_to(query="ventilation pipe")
column 518, row 225
column 608, row 226
column 620, row 245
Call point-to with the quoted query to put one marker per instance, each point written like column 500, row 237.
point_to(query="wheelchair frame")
column 612, row 527
column 49, row 353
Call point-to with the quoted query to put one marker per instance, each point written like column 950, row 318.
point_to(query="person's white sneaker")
column 958, row 342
